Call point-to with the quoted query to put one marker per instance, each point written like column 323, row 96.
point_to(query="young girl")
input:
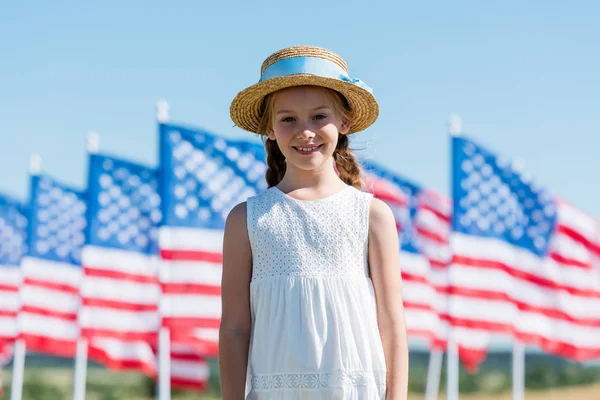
column 311, row 286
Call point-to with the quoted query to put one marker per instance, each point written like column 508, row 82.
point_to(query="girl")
column 311, row 287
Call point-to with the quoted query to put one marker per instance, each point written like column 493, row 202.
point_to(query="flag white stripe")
column 48, row 326
column 192, row 370
column 524, row 261
column 414, row 264
column 191, row 306
column 206, row 334
column 125, row 350
column 49, row 299
column 120, row 290
column 52, row 271
column 578, row 221
column 8, row 327
column 118, row 320
column 10, row 275
column 121, row 261
column 9, row 301
column 209, row 240
column 197, row 272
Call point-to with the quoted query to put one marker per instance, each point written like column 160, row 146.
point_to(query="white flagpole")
column 164, row 335
column 433, row 374
column 164, row 367
column 452, row 368
column 518, row 370
column 16, row 388
column 80, row 369
column 452, row 376
column 162, row 111
column 81, row 356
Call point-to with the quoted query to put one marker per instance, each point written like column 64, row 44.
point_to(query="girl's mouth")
column 307, row 149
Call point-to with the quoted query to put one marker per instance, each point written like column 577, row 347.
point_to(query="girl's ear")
column 271, row 134
column 345, row 126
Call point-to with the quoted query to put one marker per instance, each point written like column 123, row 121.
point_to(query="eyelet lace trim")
column 321, row 238
column 318, row 381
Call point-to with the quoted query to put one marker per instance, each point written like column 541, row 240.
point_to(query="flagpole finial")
column 93, row 142
column 162, row 111
column 35, row 164
column 455, row 125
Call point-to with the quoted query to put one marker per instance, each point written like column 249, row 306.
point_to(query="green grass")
column 56, row 383
column 547, row 378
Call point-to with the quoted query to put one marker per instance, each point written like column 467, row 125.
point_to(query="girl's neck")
column 323, row 181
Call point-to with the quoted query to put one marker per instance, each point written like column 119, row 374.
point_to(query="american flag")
column 419, row 296
column 13, row 223
column 433, row 225
column 423, row 222
column 120, row 290
column 203, row 178
column 522, row 262
column 51, row 268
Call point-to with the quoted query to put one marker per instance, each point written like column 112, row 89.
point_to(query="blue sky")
column 522, row 75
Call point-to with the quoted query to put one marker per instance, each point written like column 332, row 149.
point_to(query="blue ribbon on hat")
column 313, row 66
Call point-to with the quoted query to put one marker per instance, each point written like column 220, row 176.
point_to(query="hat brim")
column 245, row 109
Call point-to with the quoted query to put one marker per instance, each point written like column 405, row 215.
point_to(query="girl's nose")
column 305, row 133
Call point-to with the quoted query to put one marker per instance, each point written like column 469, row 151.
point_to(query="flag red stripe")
column 418, row 306
column 187, row 356
column 208, row 348
column 191, row 255
column 7, row 339
column 390, row 197
column 568, row 350
column 477, row 324
column 190, row 288
column 46, row 345
column 434, row 237
column 101, row 356
column 414, row 278
column 438, row 264
column 470, row 292
column 51, row 285
column 176, row 322
column 566, row 261
column 8, row 314
column 578, row 237
column 123, row 276
column 521, row 305
column 67, row 316
column 118, row 305
column 8, row 288
column 189, row 384
column 578, row 353
column 437, row 213
column 149, row 337
column 536, row 280
column 471, row 357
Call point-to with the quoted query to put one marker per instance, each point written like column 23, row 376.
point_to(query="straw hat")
column 304, row 65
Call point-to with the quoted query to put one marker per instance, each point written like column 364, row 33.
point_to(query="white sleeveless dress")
column 314, row 320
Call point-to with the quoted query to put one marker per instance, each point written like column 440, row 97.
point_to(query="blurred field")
column 56, row 384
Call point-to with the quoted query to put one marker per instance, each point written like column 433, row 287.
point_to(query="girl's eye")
column 320, row 116
column 288, row 119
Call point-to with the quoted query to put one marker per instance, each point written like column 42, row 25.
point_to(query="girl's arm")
column 384, row 264
column 236, row 323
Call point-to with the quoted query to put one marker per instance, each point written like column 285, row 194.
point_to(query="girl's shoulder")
column 237, row 215
column 380, row 215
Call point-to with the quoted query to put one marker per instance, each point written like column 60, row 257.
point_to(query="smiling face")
column 306, row 122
